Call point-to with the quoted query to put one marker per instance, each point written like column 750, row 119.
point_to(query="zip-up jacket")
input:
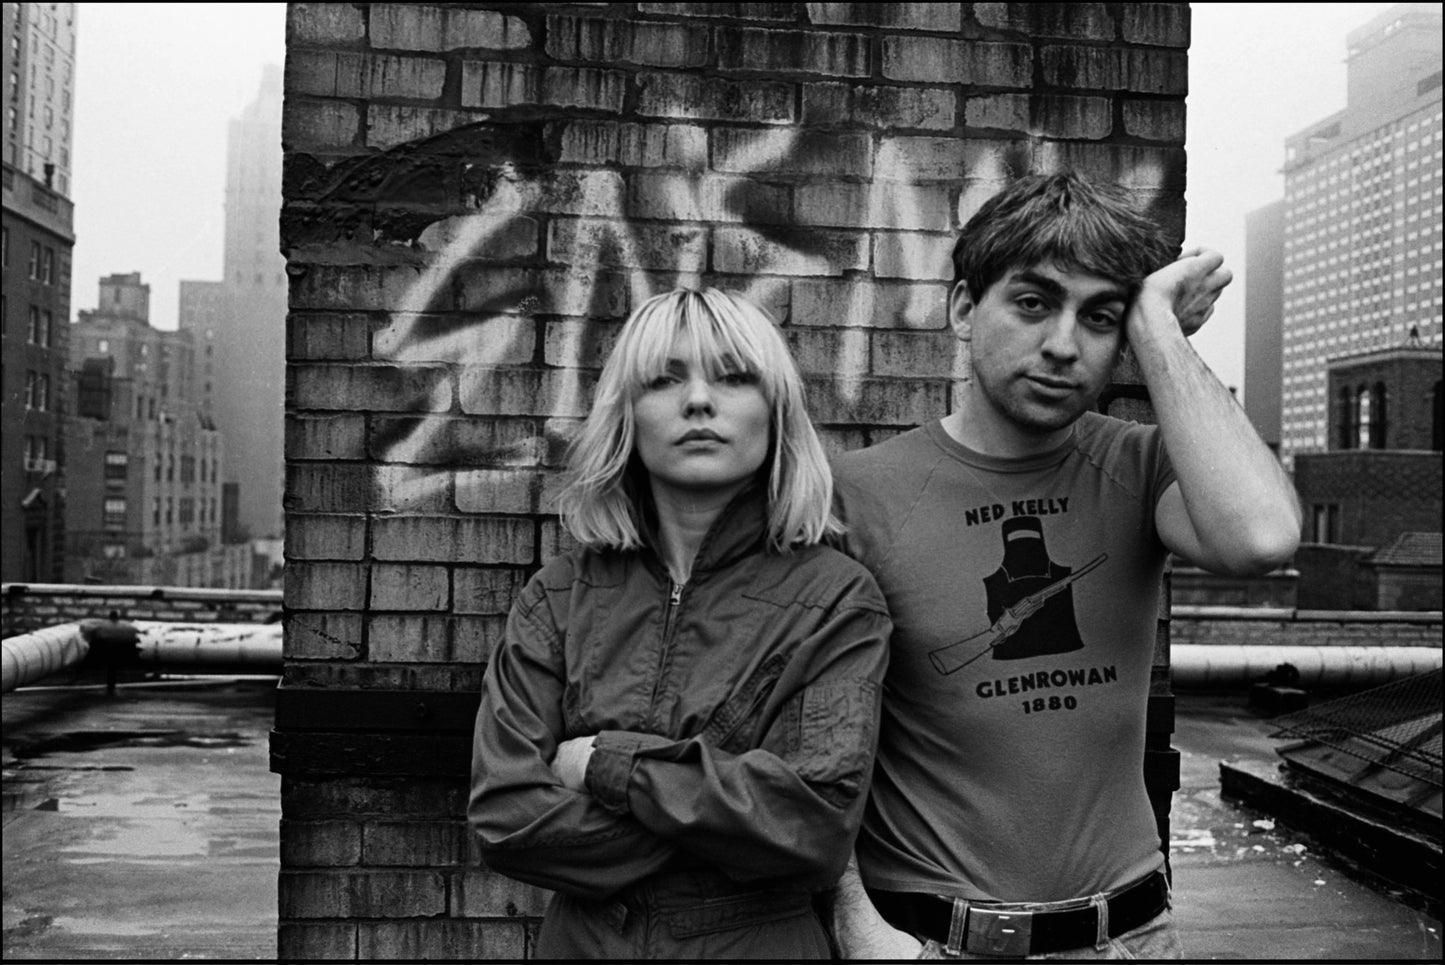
column 736, row 716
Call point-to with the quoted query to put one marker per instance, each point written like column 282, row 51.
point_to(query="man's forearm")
column 862, row 933
column 1242, row 512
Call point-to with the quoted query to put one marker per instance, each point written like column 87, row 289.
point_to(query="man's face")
column 1044, row 343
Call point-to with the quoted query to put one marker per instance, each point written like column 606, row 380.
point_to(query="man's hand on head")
column 1190, row 286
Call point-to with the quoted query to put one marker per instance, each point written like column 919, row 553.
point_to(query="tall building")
column 39, row 67
column 144, row 490
column 239, row 323
column 1362, row 217
column 1264, row 315
column 36, row 239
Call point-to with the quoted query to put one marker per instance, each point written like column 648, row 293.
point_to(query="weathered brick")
column 322, row 636
column 589, row 88
column 1155, row 120
column 583, row 344
column 737, row 11
column 316, row 941
column 903, row 16
column 464, row 442
column 1145, row 169
column 324, row 23
column 581, row 241
column 355, row 798
column 792, row 151
column 869, row 304
column 452, row 539
column 829, row 351
column 378, row 388
column 1042, row 115
column 588, row 194
column 878, row 106
column 500, row 236
column 486, row 592
column 312, row 125
column 433, row 639
column 881, row 204
column 494, row 84
column 612, row 41
column 712, row 198
column 714, row 98
column 496, row 392
column 1112, row 68
column 362, row 74
column 392, row 125
column 911, row 255
column 409, row 489
column 1077, row 21
column 587, row 141
column 320, row 844
column 923, row 158
column 409, row 26
column 485, row 894
column 325, row 586
column 361, row 894
column 326, row 436
column 430, row 844
column 1161, row 24
column 876, row 402
column 484, row 340
column 791, row 251
column 519, row 491
column 916, row 354
column 555, row 541
column 368, row 287
column 582, row 290
column 937, row 60
column 442, row 939
column 793, row 51
column 316, row 336
column 409, row 586
column 311, row 537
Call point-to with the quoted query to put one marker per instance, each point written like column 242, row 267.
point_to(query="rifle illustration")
column 958, row 655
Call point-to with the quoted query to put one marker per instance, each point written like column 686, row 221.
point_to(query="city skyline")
column 1259, row 73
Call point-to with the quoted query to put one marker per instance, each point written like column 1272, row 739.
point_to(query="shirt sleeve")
column 790, row 806
column 529, row 826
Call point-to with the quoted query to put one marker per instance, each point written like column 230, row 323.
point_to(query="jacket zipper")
column 674, row 600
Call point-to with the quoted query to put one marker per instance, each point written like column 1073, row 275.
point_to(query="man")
column 1020, row 541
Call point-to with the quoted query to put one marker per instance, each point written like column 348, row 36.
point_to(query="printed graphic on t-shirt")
column 1030, row 603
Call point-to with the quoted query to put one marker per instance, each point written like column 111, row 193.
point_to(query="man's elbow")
column 1265, row 549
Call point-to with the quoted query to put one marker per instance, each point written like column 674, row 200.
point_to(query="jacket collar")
column 740, row 529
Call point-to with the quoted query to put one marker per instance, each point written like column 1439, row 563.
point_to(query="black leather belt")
column 996, row 930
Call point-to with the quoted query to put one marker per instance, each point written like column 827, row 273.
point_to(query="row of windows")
column 113, row 512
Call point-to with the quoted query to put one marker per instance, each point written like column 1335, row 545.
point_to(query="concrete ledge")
column 1371, row 847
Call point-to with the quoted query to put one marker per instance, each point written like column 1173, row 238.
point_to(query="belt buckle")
column 995, row 932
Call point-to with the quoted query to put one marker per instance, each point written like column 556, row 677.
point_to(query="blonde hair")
column 601, row 503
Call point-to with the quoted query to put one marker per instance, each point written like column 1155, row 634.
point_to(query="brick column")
column 475, row 197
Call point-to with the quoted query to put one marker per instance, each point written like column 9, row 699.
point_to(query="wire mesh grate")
column 1395, row 726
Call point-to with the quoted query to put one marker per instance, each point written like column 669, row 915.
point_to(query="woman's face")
column 698, row 433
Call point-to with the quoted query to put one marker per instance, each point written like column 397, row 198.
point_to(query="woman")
column 677, row 733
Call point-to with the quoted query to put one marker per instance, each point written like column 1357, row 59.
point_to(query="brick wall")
column 1378, row 494
column 475, row 196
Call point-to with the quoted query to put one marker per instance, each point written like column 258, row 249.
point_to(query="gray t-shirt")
column 1025, row 602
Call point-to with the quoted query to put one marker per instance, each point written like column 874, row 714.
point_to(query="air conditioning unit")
column 42, row 466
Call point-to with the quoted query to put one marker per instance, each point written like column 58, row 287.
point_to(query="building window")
column 37, row 391
column 47, row 266
column 114, row 509
column 34, row 261
column 1326, row 522
column 1377, row 423
column 117, row 464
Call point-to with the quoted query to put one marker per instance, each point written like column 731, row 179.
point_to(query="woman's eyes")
column 667, row 379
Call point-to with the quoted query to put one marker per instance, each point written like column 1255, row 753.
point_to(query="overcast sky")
column 157, row 84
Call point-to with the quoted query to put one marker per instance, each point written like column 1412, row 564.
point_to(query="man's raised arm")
column 1232, row 509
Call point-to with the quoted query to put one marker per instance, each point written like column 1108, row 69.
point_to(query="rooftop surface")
column 145, row 826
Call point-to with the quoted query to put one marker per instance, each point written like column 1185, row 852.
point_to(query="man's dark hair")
column 1063, row 220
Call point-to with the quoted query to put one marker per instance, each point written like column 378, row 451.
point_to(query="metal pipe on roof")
column 28, row 657
column 1201, row 665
